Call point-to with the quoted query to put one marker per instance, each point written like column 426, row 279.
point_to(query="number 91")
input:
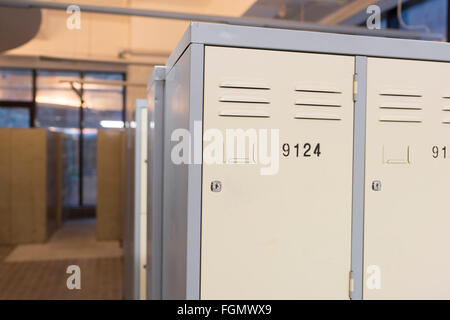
column 436, row 151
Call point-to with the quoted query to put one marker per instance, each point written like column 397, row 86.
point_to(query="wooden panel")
column 28, row 187
column 110, row 192
column 5, row 186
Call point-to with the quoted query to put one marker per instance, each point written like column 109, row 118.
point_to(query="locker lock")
column 376, row 185
column 216, row 186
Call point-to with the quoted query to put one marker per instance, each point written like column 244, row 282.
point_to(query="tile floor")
column 38, row 271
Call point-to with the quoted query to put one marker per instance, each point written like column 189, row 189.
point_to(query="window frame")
column 32, row 109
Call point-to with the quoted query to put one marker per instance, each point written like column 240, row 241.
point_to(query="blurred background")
column 67, row 113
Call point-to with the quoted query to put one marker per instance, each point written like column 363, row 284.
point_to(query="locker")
column 406, row 221
column 257, row 232
column 299, row 165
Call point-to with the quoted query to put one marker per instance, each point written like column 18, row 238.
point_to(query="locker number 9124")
column 297, row 150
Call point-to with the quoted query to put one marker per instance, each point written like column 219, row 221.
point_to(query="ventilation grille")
column 446, row 109
column 316, row 102
column 400, row 106
column 244, row 99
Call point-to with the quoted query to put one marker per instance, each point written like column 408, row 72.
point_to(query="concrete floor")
column 38, row 271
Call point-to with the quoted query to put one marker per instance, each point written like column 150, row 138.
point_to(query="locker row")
column 357, row 207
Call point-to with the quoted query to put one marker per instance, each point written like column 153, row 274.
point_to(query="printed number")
column 439, row 152
column 307, row 147
column 317, row 150
column 286, row 149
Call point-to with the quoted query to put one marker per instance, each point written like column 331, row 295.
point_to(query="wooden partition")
column 30, row 185
column 111, row 190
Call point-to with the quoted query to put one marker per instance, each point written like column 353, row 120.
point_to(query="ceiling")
column 103, row 36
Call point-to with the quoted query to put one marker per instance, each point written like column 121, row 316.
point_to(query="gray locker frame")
column 199, row 35
column 136, row 274
column 155, row 163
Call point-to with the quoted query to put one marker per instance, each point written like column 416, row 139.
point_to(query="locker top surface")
column 158, row 74
column 308, row 41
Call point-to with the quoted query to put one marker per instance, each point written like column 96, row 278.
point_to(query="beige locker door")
column 406, row 234
column 285, row 235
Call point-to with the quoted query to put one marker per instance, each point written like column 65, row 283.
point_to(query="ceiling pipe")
column 248, row 21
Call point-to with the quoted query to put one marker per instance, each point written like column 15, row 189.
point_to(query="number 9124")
column 306, row 150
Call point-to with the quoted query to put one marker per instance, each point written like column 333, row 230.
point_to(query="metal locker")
column 286, row 234
column 360, row 185
column 406, row 236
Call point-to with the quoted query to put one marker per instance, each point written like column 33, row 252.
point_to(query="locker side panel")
column 155, row 171
column 284, row 234
column 406, row 238
column 175, row 185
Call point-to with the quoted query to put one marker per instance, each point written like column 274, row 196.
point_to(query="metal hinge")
column 355, row 87
column 350, row 285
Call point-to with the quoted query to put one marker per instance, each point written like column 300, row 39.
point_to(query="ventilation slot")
column 241, row 112
column 305, row 103
column 244, row 99
column 317, row 89
column 400, row 107
column 400, row 119
column 316, row 116
column 405, row 94
column 244, row 85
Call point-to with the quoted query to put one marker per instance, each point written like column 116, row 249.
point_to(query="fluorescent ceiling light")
column 111, row 124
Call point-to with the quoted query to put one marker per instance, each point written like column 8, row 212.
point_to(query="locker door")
column 285, row 235
column 406, row 234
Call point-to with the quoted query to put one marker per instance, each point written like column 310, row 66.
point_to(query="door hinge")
column 350, row 285
column 355, row 87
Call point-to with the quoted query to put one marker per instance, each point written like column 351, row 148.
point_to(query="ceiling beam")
column 255, row 22
column 346, row 12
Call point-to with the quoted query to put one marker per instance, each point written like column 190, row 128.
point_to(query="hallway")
column 38, row 271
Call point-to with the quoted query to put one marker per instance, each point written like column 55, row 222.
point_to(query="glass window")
column 14, row 117
column 57, row 103
column 90, row 167
column 71, row 168
column 16, row 85
column 103, row 102
column 58, row 108
column 432, row 13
